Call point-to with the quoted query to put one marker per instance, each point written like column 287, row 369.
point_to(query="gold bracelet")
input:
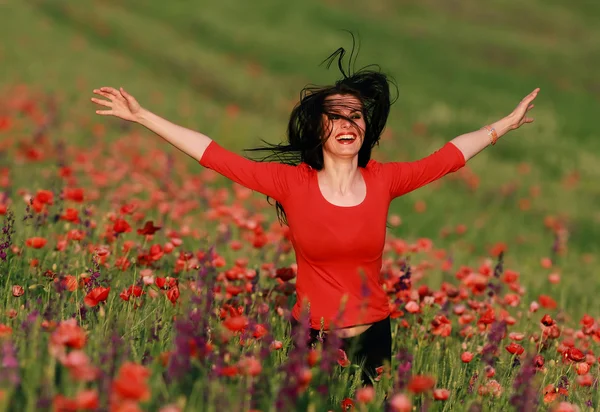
column 492, row 134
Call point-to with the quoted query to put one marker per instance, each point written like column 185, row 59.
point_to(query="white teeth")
column 346, row 137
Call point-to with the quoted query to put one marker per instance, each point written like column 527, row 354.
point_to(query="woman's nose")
column 345, row 123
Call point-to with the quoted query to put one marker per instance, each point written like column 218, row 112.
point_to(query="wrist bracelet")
column 492, row 134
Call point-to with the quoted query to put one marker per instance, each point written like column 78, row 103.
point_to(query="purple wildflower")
column 6, row 236
column 192, row 331
column 405, row 360
column 472, row 382
column 563, row 383
column 30, row 321
column 44, row 401
column 110, row 360
column 525, row 397
column 405, row 280
column 296, row 361
column 495, row 288
column 499, row 269
column 9, row 369
column 497, row 331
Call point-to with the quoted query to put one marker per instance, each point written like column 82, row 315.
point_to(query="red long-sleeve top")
column 338, row 249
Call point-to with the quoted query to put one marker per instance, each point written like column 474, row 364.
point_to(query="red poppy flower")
column 587, row 321
column 69, row 334
column 285, row 274
column 236, row 323
column 585, row 380
column 575, row 355
column 259, row 331
column 487, row 317
column 131, row 382
column 173, row 294
column 18, row 290
column 73, row 194
column 312, row 357
column 5, row 123
column 347, row 404
column 547, row 320
column 538, row 362
column 497, row 249
column 96, row 295
column 132, row 290
column 128, row 209
column 342, row 359
column 44, row 197
column 121, row 226
column 441, row 326
column 70, row 282
column 547, row 302
column 365, row 394
column 515, row 348
column 421, row 383
column 70, row 215
column 466, row 357
column 250, row 366
column 441, row 394
column 84, row 400
column 36, row 242
column 5, row 330
column 149, row 228
column 75, row 234
column 229, row 371
column 165, row 283
column 156, row 252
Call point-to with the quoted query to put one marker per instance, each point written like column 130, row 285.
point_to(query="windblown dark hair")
column 305, row 131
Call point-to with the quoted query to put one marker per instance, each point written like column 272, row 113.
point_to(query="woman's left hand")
column 518, row 117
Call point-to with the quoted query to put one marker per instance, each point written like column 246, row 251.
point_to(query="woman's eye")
column 356, row 116
column 334, row 116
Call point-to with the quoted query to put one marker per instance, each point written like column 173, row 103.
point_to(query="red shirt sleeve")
column 404, row 177
column 270, row 178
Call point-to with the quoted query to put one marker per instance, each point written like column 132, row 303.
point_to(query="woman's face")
column 343, row 138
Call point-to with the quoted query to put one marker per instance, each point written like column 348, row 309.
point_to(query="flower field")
column 133, row 279
column 137, row 285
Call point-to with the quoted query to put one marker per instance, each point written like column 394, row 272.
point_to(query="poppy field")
column 134, row 279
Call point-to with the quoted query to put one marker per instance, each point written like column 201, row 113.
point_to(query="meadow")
column 132, row 278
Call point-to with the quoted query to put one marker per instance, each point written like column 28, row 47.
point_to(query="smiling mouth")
column 346, row 138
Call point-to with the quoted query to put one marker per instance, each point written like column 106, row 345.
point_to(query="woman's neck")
column 339, row 174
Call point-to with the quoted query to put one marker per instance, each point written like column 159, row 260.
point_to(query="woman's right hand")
column 121, row 104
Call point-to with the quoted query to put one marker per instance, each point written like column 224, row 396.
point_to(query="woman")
column 333, row 196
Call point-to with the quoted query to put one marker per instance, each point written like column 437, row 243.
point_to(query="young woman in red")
column 333, row 196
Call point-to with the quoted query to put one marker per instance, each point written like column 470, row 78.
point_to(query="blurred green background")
column 234, row 69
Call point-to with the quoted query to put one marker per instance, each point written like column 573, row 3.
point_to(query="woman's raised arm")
column 408, row 176
column 474, row 142
column 123, row 105
column 270, row 178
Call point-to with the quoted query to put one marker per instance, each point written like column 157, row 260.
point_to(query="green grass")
column 458, row 66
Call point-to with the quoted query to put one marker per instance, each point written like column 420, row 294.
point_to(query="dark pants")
column 373, row 346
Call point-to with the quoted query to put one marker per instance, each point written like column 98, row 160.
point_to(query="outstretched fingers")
column 126, row 95
column 102, row 102
column 103, row 94
column 110, row 90
column 531, row 96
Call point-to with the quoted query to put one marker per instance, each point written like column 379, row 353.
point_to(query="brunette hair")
column 305, row 131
